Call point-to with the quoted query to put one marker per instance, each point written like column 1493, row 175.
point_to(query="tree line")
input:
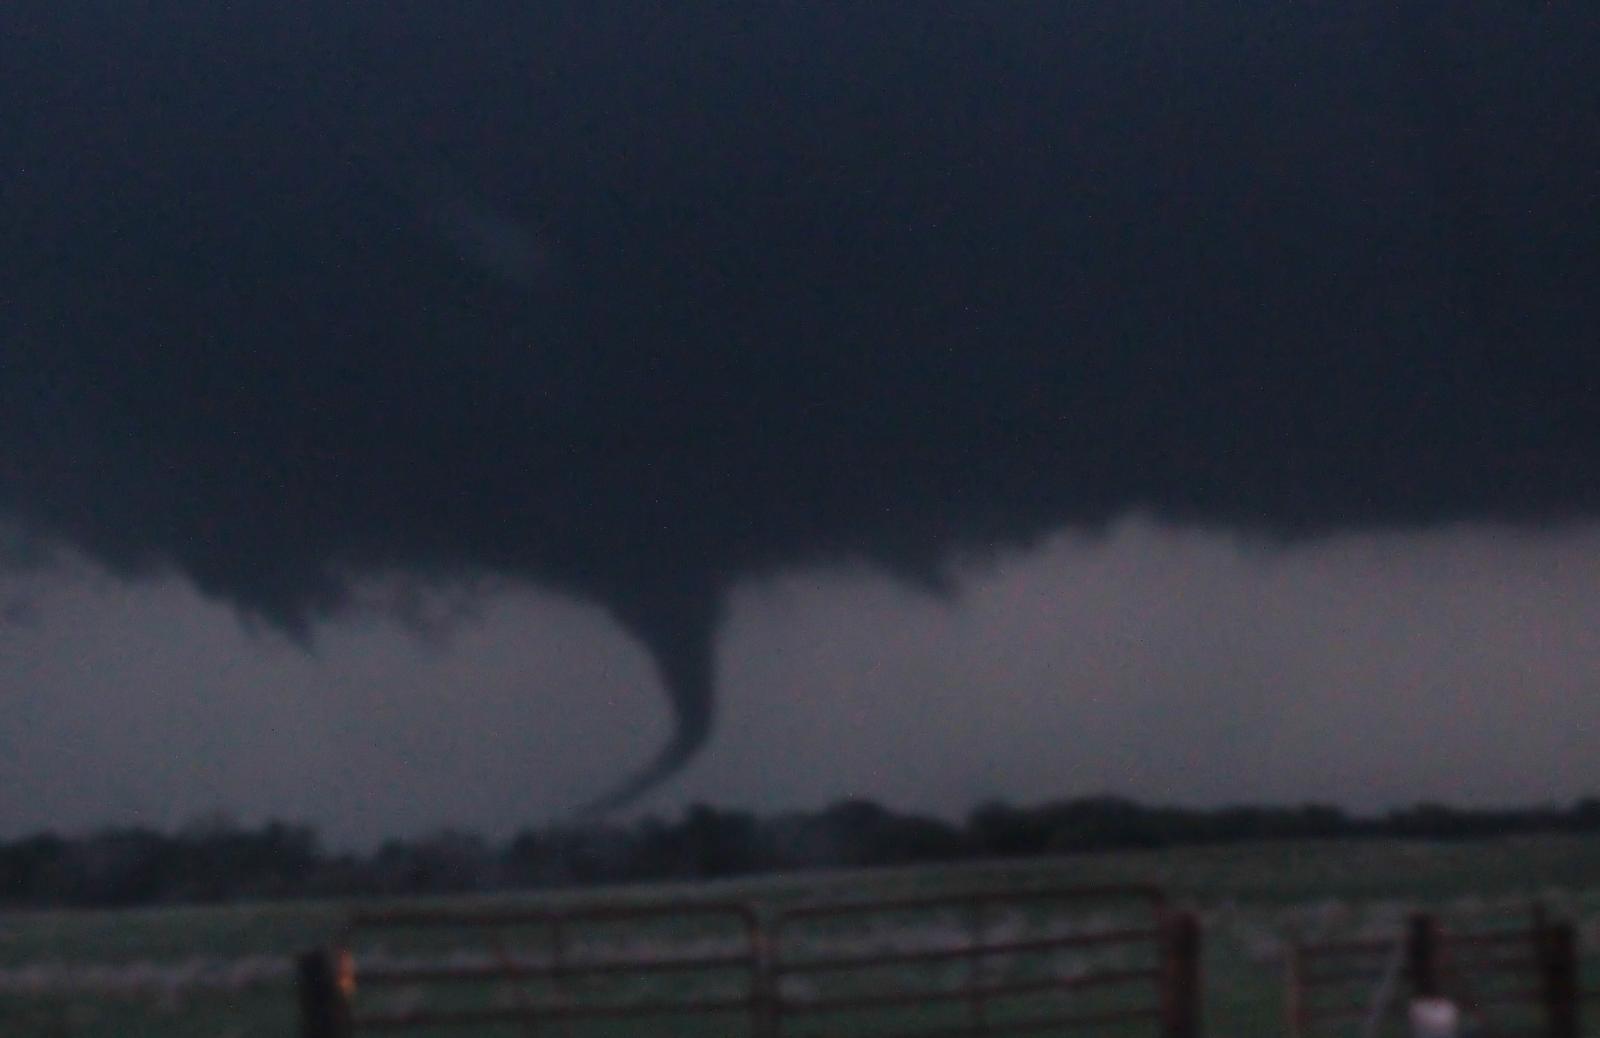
column 219, row 860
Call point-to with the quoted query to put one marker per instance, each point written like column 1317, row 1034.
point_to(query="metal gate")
column 1063, row 961
column 1112, row 960
column 665, row 966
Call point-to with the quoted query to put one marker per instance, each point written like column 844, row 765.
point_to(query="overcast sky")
column 1166, row 664
column 768, row 397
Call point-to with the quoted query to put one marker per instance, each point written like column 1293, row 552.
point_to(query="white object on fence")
column 1434, row 1018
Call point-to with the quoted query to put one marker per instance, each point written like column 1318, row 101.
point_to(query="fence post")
column 324, row 979
column 1180, row 1002
column 764, row 984
column 1295, row 999
column 1558, row 978
column 1422, row 955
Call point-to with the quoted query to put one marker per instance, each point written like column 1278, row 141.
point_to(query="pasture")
column 227, row 971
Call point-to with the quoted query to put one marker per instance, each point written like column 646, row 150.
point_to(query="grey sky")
column 1162, row 663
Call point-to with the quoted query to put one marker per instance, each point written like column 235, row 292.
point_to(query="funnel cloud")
column 690, row 296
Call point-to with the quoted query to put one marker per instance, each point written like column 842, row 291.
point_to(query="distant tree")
column 445, row 862
column 215, row 858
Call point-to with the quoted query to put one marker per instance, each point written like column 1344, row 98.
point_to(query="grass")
column 224, row 971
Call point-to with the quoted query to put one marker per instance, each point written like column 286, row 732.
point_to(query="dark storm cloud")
column 633, row 302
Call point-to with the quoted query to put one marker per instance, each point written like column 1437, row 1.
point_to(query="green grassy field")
column 224, row 971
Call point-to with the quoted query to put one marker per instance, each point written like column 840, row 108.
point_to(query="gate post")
column 325, row 979
column 1180, row 977
column 1295, row 999
column 1422, row 955
column 1558, row 978
column 765, row 1007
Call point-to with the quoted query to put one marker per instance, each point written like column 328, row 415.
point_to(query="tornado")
column 678, row 628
